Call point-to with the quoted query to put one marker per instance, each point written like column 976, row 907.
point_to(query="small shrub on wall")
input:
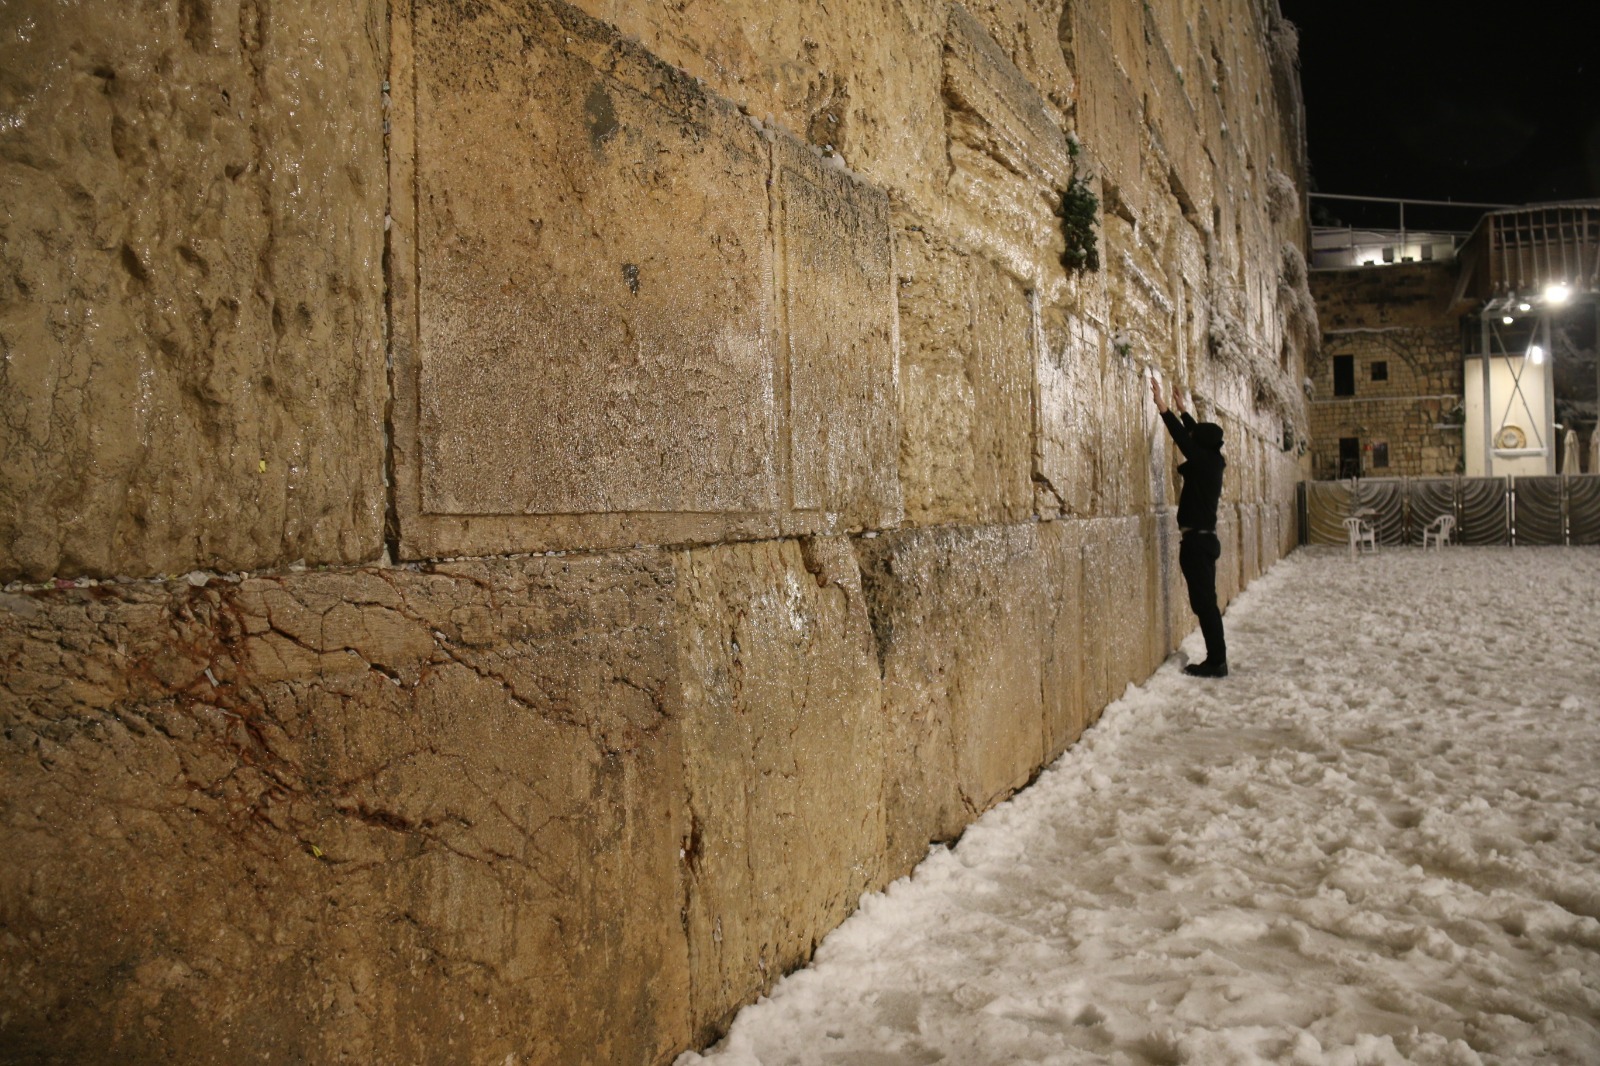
column 1079, row 206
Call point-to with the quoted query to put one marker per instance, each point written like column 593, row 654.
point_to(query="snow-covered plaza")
column 1377, row 842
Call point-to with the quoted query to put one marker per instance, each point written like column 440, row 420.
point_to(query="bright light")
column 1536, row 353
column 1508, row 320
column 1524, row 306
column 1557, row 294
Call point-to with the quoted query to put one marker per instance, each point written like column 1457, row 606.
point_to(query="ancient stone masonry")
column 191, row 296
column 516, row 514
column 1401, row 345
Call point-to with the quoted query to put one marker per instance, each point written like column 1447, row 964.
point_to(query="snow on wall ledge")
column 778, row 290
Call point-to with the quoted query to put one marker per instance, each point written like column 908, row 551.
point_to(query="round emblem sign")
column 1510, row 438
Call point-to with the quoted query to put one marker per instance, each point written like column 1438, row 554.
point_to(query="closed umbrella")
column 1571, row 459
column 1594, row 451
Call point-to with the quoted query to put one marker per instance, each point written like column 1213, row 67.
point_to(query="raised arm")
column 1180, row 433
column 1177, row 403
column 1155, row 391
column 1178, row 429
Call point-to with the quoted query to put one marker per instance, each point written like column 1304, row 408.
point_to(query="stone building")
column 1385, row 389
column 516, row 514
column 1399, row 387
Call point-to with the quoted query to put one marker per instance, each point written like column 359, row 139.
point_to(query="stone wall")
column 515, row 515
column 1398, row 327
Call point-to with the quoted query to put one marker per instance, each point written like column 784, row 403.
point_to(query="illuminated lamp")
column 1536, row 353
column 1508, row 320
column 1524, row 306
column 1557, row 293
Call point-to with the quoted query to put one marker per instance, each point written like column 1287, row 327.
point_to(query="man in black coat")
column 1198, row 551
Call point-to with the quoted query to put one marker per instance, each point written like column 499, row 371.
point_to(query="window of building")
column 1380, row 370
column 1344, row 375
column 1380, row 454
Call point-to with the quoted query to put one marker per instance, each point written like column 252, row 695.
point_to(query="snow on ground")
column 1377, row 842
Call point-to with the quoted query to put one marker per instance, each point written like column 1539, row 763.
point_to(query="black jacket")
column 1201, row 470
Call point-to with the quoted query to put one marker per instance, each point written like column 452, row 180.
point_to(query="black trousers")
column 1197, row 558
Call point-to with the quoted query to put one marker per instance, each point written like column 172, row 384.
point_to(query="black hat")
column 1207, row 434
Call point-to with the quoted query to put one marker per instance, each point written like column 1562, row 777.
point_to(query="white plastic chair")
column 1438, row 531
column 1363, row 538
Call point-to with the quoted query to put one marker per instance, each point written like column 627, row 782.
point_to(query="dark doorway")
column 1349, row 457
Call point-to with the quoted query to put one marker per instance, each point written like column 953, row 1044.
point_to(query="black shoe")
column 1207, row 669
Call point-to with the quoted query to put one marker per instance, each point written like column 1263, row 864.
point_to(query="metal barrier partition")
column 1385, row 500
column 1485, row 516
column 1327, row 505
column 1537, row 515
column 1583, row 508
column 1491, row 511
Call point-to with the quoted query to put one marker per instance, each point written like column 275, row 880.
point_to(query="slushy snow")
column 1377, row 842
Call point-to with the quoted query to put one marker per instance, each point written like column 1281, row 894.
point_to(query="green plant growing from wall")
column 1079, row 206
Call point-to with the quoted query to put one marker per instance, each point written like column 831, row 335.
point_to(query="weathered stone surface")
column 1098, row 34
column 862, row 78
column 1228, row 564
column 1066, row 709
column 1249, row 543
column 654, row 348
column 1117, row 564
column 1140, row 290
column 1009, row 159
column 837, row 288
column 968, row 343
column 1133, row 425
column 962, row 730
column 1067, row 442
column 593, row 333
column 1172, row 592
column 368, row 815
column 783, row 739
column 612, row 797
column 191, row 296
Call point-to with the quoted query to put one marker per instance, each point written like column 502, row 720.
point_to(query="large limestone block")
column 1148, row 618
column 1067, row 431
column 1163, row 630
column 968, row 339
column 1176, row 79
column 1065, row 608
column 1288, row 525
column 783, row 747
column 1175, row 591
column 657, row 323
column 839, row 327
column 1123, row 424
column 191, row 315
column 372, row 816
column 1186, row 266
column 1119, row 608
column 1228, row 565
column 1109, row 114
column 861, row 77
column 1249, row 543
column 1008, row 157
column 591, row 359
column 958, row 614
column 1137, row 284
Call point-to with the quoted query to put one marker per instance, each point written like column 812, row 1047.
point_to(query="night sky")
column 1436, row 101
